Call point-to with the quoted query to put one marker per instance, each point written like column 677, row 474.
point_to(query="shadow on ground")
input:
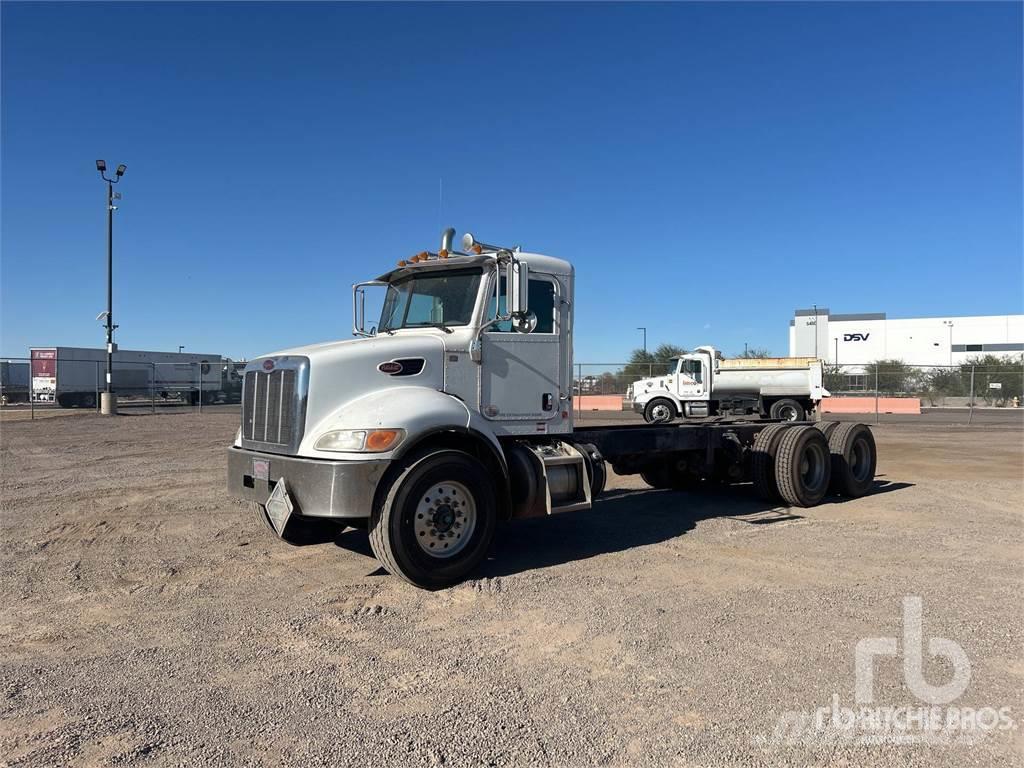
column 621, row 519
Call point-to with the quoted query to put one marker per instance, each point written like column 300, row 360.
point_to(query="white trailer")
column 74, row 376
column 454, row 411
column 703, row 383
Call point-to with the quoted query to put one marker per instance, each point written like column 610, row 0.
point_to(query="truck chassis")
column 435, row 510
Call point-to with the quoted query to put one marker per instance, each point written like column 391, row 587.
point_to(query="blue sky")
column 707, row 167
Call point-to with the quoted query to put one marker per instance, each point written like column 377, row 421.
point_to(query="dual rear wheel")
column 800, row 464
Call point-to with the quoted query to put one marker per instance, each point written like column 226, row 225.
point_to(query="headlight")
column 360, row 440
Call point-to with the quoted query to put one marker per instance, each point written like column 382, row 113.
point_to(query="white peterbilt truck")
column 455, row 411
column 702, row 383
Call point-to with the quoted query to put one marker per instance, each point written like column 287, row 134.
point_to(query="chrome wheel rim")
column 445, row 519
column 788, row 413
column 660, row 412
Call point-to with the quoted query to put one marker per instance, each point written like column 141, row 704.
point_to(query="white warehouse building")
column 859, row 339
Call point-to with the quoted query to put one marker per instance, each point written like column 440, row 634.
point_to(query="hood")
column 342, row 371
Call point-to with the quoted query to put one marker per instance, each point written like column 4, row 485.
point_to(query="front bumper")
column 638, row 407
column 318, row 487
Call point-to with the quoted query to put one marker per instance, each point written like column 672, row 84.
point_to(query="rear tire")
column 787, row 409
column 803, row 467
column 659, row 411
column 827, row 427
column 854, row 459
column 762, row 461
column 424, row 505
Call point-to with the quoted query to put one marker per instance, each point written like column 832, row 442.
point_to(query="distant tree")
column 754, row 353
column 988, row 369
column 643, row 363
column 832, row 378
column 947, row 382
column 893, row 377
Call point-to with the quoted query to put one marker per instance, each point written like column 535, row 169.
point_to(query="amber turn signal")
column 382, row 439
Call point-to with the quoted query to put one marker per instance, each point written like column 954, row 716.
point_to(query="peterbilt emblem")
column 855, row 336
column 391, row 367
column 268, row 365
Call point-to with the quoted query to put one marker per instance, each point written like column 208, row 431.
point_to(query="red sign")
column 44, row 363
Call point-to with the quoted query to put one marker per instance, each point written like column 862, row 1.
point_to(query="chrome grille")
column 273, row 406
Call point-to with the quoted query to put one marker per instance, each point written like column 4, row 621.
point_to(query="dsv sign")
column 855, row 336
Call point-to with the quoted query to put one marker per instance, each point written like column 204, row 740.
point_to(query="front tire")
column 659, row 411
column 437, row 520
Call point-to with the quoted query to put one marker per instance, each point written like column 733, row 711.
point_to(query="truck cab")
column 472, row 349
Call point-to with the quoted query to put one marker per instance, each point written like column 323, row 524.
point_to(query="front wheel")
column 659, row 411
column 437, row 521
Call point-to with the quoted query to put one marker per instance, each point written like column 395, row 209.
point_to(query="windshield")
column 438, row 299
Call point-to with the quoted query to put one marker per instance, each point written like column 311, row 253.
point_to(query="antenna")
column 440, row 200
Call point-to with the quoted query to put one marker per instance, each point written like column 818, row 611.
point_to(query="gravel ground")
column 148, row 621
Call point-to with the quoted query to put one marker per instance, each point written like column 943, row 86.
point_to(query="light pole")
column 108, row 399
column 644, row 329
column 949, row 324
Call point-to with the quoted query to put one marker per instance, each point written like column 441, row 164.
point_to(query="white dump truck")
column 453, row 411
column 703, row 383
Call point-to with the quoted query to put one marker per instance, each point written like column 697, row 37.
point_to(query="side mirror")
column 518, row 281
column 525, row 322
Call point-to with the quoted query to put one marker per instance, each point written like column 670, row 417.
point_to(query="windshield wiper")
column 442, row 326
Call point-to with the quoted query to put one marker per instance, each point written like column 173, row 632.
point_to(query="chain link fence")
column 873, row 388
column 870, row 388
column 75, row 383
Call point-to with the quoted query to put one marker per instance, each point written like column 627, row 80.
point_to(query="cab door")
column 522, row 376
column 692, row 378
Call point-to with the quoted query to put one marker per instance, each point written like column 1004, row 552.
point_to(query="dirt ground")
column 147, row 620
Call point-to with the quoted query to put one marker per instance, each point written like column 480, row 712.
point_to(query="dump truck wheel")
column 437, row 520
column 854, row 458
column 299, row 531
column 787, row 410
column 762, row 461
column 803, row 466
column 659, row 411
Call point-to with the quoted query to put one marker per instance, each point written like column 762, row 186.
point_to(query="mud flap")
column 279, row 507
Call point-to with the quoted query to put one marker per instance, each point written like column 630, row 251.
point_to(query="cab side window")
column 541, row 301
column 693, row 369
